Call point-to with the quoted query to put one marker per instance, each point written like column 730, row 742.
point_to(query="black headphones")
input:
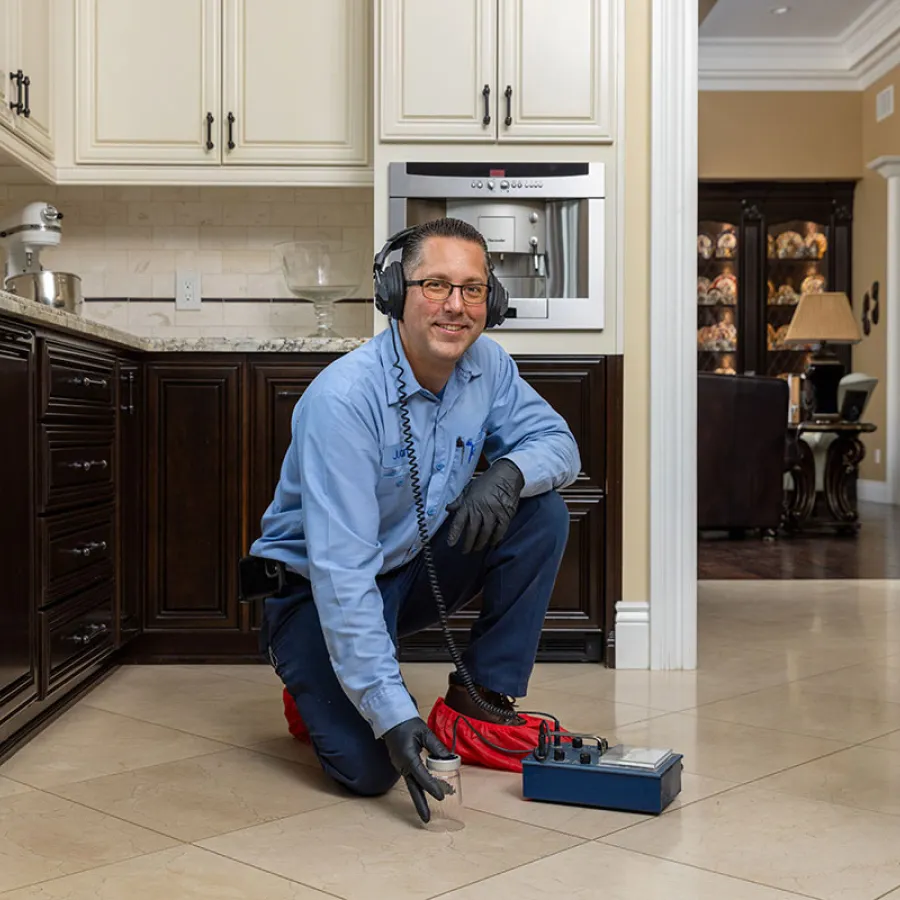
column 390, row 284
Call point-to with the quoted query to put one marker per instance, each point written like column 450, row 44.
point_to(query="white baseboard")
column 873, row 491
column 633, row 635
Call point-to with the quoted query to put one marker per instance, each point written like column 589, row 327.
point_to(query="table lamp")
column 824, row 319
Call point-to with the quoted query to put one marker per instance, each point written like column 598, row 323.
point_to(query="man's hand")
column 486, row 506
column 404, row 744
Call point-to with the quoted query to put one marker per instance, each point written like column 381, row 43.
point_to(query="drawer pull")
column 87, row 464
column 88, row 633
column 86, row 381
column 88, row 549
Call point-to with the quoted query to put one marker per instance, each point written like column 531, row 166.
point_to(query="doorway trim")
column 673, row 338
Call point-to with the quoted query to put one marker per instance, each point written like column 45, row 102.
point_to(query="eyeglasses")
column 438, row 290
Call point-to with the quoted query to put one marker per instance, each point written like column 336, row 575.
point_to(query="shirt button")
column 399, row 482
column 439, row 467
column 431, row 511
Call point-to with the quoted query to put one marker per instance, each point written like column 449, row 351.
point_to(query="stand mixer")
column 24, row 236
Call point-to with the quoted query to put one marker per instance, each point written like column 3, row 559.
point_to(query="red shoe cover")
column 296, row 725
column 474, row 751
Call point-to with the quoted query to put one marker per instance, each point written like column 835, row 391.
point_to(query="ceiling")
column 815, row 19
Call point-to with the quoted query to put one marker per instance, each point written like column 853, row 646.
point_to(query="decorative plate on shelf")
column 705, row 246
column 702, row 290
column 786, row 296
column 726, row 285
column 816, row 244
column 726, row 244
column 790, row 245
column 813, row 284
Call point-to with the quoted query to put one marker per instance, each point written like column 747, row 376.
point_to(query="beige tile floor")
column 180, row 782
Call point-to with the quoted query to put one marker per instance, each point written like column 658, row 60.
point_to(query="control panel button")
column 504, row 185
column 490, row 185
column 474, row 184
column 481, row 184
column 559, row 754
column 577, row 743
column 585, row 757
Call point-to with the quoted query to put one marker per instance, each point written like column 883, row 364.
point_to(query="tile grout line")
column 468, row 884
column 710, row 871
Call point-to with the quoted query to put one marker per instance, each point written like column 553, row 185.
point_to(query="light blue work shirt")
column 343, row 510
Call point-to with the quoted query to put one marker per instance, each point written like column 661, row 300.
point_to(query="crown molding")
column 866, row 51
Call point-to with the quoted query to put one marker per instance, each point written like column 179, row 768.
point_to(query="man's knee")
column 549, row 514
column 370, row 777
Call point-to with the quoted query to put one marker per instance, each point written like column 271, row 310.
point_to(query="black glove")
column 486, row 506
column 404, row 744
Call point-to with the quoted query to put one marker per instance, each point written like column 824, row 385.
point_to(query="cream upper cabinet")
column 8, row 89
column 149, row 78
column 26, row 89
column 33, row 55
column 497, row 70
column 555, row 70
column 296, row 81
column 438, row 69
column 213, row 82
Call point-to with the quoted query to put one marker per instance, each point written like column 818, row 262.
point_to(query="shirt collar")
column 466, row 366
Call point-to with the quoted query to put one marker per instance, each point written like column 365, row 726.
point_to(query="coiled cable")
column 508, row 715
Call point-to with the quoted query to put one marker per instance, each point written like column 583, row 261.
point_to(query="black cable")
column 518, row 751
column 508, row 715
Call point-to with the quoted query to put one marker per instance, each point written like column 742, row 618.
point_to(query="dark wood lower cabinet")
column 218, row 429
column 194, row 441
column 133, row 483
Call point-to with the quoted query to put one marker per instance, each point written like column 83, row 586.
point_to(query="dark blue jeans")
column 516, row 580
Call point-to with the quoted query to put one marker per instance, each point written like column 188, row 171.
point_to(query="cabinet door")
column 130, row 565
column 18, row 670
column 194, row 482
column 35, row 58
column 556, row 75
column 8, row 92
column 437, row 58
column 147, row 75
column 297, row 81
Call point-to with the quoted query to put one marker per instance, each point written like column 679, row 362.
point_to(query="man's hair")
column 411, row 255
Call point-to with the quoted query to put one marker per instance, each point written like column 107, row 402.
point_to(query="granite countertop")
column 29, row 311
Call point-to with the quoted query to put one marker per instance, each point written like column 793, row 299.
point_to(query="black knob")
column 585, row 757
column 559, row 754
column 577, row 743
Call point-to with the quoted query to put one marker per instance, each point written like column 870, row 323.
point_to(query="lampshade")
column 822, row 318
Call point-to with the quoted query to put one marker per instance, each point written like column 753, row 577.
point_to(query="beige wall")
column 870, row 262
column 636, row 331
column 127, row 242
column 763, row 135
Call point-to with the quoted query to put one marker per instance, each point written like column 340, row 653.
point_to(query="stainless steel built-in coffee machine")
column 543, row 223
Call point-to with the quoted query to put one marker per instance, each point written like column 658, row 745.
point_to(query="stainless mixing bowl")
column 61, row 290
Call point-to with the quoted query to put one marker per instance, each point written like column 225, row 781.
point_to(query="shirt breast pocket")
column 393, row 469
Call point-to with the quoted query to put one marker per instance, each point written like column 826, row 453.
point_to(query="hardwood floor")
column 873, row 553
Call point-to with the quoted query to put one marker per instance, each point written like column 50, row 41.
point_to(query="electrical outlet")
column 884, row 104
column 877, row 457
column 187, row 290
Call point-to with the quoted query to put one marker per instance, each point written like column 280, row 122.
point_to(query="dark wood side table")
column 845, row 453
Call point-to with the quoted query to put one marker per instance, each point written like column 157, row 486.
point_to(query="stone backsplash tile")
column 130, row 241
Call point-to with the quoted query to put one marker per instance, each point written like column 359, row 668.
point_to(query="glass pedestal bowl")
column 321, row 272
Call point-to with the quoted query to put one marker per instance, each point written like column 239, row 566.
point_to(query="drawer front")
column 76, row 550
column 76, row 382
column 76, row 634
column 78, row 466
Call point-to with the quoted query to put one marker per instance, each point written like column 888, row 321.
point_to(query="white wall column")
column 889, row 167
column 673, row 336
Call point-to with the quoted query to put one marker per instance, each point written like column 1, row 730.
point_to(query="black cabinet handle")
column 508, row 94
column 129, row 406
column 18, row 78
column 231, row 131
column 289, row 394
column 486, row 93
column 27, row 111
column 209, row 124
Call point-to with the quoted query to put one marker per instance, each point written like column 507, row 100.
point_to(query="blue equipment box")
column 624, row 778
